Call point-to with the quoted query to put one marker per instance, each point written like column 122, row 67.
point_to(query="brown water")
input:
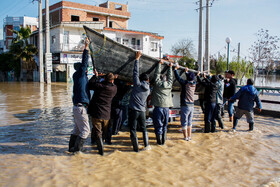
column 36, row 121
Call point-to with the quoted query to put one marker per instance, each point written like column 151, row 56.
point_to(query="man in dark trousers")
column 229, row 91
column 161, row 98
column 137, row 105
column 247, row 95
column 211, row 89
column 81, row 97
column 100, row 106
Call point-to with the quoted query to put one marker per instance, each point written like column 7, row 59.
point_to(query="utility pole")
column 41, row 60
column 200, row 36
column 238, row 52
column 207, row 25
column 48, row 61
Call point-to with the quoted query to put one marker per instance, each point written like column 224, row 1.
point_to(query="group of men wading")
column 216, row 91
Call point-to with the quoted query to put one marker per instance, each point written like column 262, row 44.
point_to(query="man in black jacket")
column 100, row 106
column 210, row 95
column 229, row 91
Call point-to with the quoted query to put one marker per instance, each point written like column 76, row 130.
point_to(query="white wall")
column 145, row 41
column 55, row 47
column 30, row 21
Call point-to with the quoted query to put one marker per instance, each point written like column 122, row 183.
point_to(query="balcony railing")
column 80, row 47
column 71, row 47
column 136, row 47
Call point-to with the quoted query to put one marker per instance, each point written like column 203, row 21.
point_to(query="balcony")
column 72, row 47
column 136, row 47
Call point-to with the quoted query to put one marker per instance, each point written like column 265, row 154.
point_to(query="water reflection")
column 49, row 127
column 37, row 121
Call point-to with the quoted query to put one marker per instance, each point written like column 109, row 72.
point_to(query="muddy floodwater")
column 36, row 121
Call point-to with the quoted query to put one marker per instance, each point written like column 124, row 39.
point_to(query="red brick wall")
column 66, row 14
column 122, row 22
column 34, row 28
column 101, row 18
column 95, row 8
column 54, row 6
column 112, row 6
column 9, row 30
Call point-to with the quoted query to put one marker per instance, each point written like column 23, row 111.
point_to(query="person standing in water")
column 247, row 95
column 81, row 97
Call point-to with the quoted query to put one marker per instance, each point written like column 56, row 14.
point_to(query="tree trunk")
column 21, row 73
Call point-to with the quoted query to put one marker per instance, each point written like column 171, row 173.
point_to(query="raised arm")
column 85, row 57
column 158, row 81
column 177, row 76
column 170, row 75
column 136, row 80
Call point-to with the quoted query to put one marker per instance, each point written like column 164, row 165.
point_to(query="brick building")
column 67, row 33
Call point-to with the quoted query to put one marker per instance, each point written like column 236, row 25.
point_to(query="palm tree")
column 23, row 50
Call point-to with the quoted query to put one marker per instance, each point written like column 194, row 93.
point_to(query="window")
column 138, row 42
column 125, row 42
column 118, row 40
column 16, row 28
column 95, row 19
column 75, row 18
column 111, row 24
column 118, row 7
column 53, row 39
column 133, row 41
column 66, row 37
column 154, row 46
column 9, row 42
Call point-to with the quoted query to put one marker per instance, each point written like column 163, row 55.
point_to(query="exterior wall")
column 62, row 11
column 66, row 14
column 90, row 16
column 123, row 12
column 11, row 22
column 31, row 22
column 75, row 39
column 118, row 22
column 55, row 42
column 145, row 41
column 155, row 52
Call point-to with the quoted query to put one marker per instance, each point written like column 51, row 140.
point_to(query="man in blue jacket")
column 81, row 97
column 137, row 105
column 247, row 95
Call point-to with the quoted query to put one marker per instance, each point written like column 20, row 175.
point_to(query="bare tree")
column 265, row 51
column 184, row 47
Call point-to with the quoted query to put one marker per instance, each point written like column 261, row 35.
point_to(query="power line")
column 21, row 8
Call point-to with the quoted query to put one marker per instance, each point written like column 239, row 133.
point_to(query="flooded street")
column 36, row 122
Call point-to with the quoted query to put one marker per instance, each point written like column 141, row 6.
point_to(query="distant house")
column 67, row 33
column 14, row 23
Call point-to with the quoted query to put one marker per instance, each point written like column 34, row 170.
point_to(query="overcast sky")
column 178, row 19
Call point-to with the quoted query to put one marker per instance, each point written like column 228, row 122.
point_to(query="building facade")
column 67, row 34
column 14, row 23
